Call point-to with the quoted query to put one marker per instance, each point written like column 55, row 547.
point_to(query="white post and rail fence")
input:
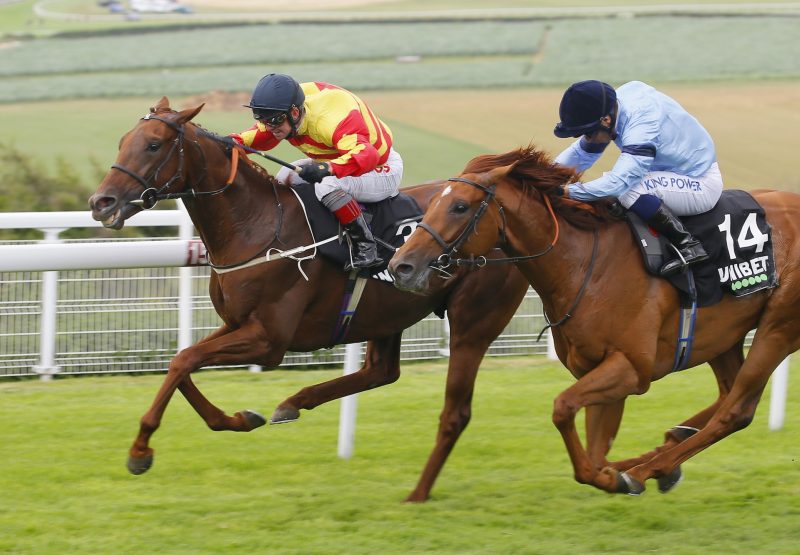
column 51, row 256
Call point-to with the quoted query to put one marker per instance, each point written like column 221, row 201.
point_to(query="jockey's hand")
column 314, row 172
column 232, row 140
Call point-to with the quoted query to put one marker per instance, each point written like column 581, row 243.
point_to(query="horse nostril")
column 101, row 203
column 404, row 269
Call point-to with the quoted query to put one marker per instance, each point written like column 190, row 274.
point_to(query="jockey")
column 349, row 150
column 668, row 165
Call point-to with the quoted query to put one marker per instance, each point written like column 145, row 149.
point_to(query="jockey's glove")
column 314, row 172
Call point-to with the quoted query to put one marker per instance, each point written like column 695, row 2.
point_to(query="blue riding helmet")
column 582, row 106
column 276, row 92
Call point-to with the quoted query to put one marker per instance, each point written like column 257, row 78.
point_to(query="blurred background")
column 452, row 79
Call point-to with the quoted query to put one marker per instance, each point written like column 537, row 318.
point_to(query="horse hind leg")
column 735, row 411
column 381, row 367
column 725, row 367
column 222, row 347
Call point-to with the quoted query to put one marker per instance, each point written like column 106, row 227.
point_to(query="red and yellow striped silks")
column 338, row 126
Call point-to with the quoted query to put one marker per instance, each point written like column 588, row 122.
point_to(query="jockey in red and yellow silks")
column 349, row 149
column 339, row 127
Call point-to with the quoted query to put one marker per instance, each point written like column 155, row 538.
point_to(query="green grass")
column 86, row 135
column 508, row 487
column 437, row 132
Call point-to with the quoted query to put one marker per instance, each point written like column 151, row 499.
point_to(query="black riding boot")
column 667, row 224
column 365, row 251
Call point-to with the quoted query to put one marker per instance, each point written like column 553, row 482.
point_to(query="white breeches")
column 382, row 182
column 683, row 195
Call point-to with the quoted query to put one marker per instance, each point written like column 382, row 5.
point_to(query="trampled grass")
column 507, row 488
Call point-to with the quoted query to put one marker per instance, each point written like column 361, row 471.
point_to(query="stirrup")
column 681, row 263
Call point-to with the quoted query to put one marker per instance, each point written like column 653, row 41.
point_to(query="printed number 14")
column 749, row 235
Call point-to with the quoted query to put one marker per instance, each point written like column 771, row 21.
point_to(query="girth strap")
column 352, row 296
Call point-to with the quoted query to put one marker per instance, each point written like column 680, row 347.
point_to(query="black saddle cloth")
column 737, row 238
column 391, row 221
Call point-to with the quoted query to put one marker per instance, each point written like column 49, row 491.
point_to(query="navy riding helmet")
column 276, row 92
column 582, row 106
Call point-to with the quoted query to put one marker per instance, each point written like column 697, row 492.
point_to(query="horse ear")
column 500, row 173
column 161, row 105
column 188, row 113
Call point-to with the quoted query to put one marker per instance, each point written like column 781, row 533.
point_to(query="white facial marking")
column 447, row 191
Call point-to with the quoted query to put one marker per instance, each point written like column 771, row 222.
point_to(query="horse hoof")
column 682, row 433
column 669, row 481
column 139, row 465
column 283, row 415
column 626, row 484
column 254, row 420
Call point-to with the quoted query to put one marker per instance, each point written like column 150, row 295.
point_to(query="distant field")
column 437, row 132
column 451, row 55
column 507, row 489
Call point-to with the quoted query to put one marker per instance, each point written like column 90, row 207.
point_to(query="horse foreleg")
column 381, row 367
column 734, row 413
column 602, row 425
column 461, row 373
column 611, row 381
column 237, row 346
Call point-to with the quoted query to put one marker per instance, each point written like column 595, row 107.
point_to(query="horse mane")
column 535, row 170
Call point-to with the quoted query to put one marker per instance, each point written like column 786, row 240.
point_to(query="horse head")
column 150, row 162
column 474, row 213
column 464, row 220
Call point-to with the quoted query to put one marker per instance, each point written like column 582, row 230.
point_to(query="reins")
column 152, row 195
column 445, row 260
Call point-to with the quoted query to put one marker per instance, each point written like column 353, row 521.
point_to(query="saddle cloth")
column 737, row 238
column 392, row 220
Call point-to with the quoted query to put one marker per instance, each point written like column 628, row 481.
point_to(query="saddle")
column 391, row 220
column 737, row 238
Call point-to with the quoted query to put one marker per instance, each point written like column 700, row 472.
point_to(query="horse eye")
column 152, row 147
column 459, row 207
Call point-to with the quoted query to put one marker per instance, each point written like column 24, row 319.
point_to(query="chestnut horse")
column 268, row 309
column 615, row 326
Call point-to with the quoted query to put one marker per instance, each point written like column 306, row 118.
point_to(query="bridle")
column 151, row 195
column 445, row 260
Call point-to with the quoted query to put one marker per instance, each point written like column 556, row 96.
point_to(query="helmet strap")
column 610, row 129
column 295, row 122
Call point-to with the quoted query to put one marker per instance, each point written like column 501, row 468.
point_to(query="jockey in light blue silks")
column 668, row 165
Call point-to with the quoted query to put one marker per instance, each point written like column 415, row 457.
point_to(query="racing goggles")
column 269, row 117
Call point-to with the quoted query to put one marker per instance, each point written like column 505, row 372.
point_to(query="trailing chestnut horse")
column 615, row 326
column 268, row 308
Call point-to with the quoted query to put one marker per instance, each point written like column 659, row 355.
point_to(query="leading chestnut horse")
column 267, row 309
column 615, row 326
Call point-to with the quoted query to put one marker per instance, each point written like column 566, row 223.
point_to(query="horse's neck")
column 248, row 217
column 561, row 271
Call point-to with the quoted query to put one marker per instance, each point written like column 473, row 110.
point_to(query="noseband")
column 445, row 260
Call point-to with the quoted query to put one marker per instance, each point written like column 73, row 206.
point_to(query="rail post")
column 347, row 411
column 777, row 396
column 48, row 324
column 185, row 273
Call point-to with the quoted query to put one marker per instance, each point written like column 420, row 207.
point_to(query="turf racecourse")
column 506, row 489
